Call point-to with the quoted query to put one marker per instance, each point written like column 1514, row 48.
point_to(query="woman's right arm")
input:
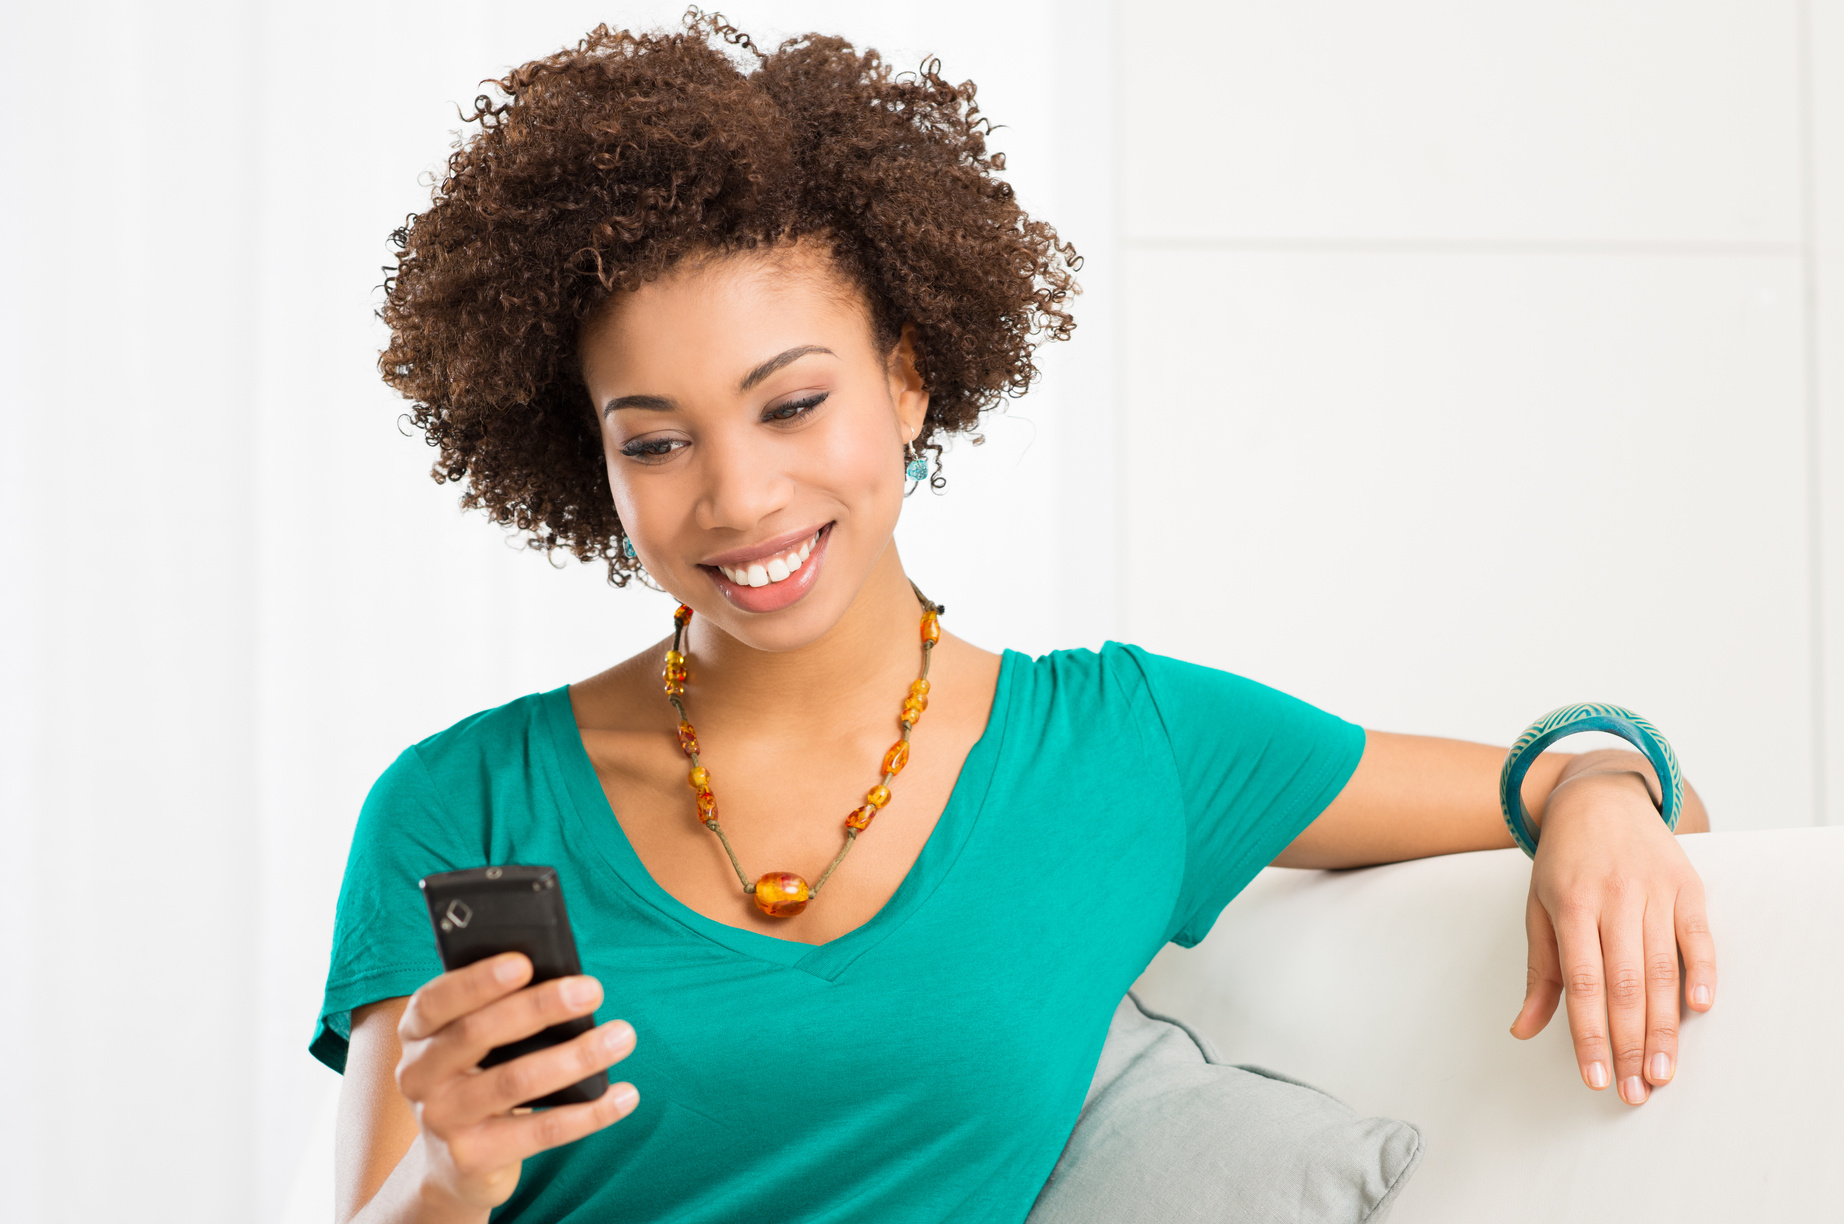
column 425, row 1136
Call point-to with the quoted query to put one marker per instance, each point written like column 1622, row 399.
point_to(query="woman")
column 701, row 317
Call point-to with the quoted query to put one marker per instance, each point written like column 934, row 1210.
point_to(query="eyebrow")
column 778, row 361
column 660, row 403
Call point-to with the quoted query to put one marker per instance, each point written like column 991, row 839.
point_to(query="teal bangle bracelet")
column 1567, row 721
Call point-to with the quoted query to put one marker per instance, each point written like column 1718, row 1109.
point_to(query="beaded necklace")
column 782, row 894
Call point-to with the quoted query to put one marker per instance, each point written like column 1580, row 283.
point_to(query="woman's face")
column 754, row 437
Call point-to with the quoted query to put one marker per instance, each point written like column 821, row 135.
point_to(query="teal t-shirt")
column 927, row 1066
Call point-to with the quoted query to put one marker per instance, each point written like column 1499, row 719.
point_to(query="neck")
column 872, row 650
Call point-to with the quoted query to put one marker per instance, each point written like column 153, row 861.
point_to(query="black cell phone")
column 485, row 911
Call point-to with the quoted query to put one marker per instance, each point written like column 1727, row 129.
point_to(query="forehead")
column 713, row 318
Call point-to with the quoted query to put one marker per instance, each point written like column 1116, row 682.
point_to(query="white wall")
column 1370, row 291
column 1473, row 364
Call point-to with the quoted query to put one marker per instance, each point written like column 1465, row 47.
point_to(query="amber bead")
column 707, row 804
column 688, row 739
column 877, row 796
column 781, row 894
column 931, row 628
column 897, row 757
column 912, row 711
column 919, row 689
column 861, row 817
column 700, row 778
column 682, row 616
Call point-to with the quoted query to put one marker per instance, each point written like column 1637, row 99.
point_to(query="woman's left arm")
column 1613, row 900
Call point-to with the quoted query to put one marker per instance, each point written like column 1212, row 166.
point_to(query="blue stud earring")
column 627, row 547
column 915, row 467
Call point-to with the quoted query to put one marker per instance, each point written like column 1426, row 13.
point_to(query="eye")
column 651, row 450
column 795, row 409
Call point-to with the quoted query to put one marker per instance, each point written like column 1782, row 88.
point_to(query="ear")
column 907, row 393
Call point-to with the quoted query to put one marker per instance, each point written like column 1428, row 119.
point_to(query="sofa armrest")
column 1394, row 988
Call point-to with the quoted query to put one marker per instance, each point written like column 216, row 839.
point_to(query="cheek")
column 859, row 463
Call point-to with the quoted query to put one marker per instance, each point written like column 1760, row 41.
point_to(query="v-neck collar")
column 596, row 824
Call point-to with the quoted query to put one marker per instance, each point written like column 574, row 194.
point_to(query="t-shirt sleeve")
column 1255, row 767
column 382, row 945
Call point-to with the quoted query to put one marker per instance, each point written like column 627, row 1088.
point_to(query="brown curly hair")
column 597, row 168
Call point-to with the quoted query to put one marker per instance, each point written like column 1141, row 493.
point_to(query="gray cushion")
column 1169, row 1134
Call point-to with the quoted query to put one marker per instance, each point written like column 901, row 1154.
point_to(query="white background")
column 1438, row 362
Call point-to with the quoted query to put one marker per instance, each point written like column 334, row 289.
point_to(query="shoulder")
column 459, row 760
column 487, row 734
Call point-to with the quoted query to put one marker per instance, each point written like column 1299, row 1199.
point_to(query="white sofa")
column 1394, row 987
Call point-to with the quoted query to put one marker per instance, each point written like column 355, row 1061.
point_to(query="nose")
column 743, row 483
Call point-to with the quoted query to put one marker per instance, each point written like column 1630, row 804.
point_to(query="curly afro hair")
column 597, row 168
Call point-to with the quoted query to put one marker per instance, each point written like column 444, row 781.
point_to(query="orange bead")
column 782, row 894
column 912, row 711
column 919, row 689
column 700, row 778
column 682, row 617
column 674, row 659
column 931, row 628
column 707, row 804
column 860, row 817
column 877, row 796
column 688, row 739
column 897, row 757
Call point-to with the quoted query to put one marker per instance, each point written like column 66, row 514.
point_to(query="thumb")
column 1543, row 980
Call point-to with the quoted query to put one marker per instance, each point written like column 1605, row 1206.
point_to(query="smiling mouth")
column 767, row 571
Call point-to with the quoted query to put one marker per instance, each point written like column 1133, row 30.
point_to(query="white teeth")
column 775, row 569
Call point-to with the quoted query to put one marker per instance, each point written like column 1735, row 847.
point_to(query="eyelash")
column 644, row 450
column 796, row 408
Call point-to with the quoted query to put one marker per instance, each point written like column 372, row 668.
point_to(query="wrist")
column 1609, row 782
column 436, row 1199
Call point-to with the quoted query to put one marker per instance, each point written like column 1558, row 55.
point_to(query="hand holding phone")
column 471, row 1141
column 487, row 911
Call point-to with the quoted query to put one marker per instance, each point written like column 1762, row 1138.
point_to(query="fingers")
column 1623, row 964
column 462, row 1043
column 1694, row 943
column 526, row 1135
column 491, row 1149
column 1578, row 938
column 1543, row 980
column 1661, row 967
column 498, row 1089
column 443, row 999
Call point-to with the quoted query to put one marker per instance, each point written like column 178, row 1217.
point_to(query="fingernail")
column 579, row 991
column 1633, row 1089
column 508, row 969
column 1700, row 995
column 1597, row 1075
column 1661, row 1067
column 625, row 1096
column 616, row 1034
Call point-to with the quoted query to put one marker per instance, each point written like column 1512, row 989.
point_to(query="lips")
column 747, row 577
column 776, row 567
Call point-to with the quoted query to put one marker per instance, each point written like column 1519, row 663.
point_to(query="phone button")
column 458, row 913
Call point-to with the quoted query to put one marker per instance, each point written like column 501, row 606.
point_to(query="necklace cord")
column 894, row 760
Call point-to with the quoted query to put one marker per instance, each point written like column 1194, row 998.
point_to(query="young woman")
column 699, row 313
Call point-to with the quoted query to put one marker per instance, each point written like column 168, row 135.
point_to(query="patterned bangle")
column 1567, row 721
